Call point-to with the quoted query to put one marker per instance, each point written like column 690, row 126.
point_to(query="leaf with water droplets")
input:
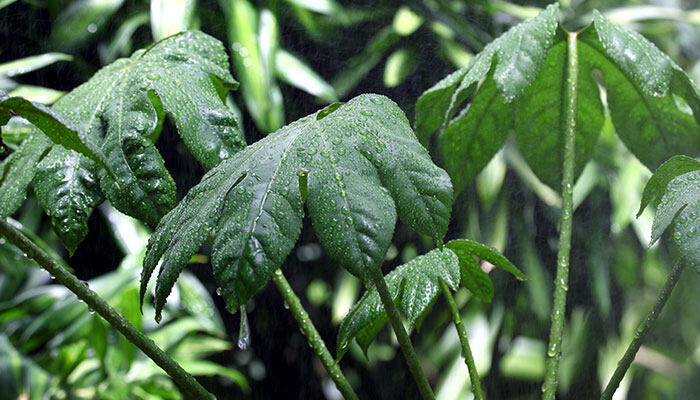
column 358, row 165
column 518, row 82
column 654, row 111
column 675, row 190
column 413, row 286
column 121, row 109
column 495, row 77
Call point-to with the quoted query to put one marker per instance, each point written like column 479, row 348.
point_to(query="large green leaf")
column 645, row 91
column 121, row 109
column 518, row 82
column 413, row 286
column 674, row 190
column 355, row 165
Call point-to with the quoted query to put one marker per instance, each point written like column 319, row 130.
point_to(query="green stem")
column 642, row 331
column 188, row 384
column 464, row 340
column 401, row 335
column 561, row 282
column 312, row 335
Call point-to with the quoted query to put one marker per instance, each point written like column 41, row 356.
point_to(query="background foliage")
column 291, row 58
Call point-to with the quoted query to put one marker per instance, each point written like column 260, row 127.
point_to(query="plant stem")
column 312, row 336
column 186, row 382
column 642, row 331
column 401, row 335
column 464, row 340
column 561, row 282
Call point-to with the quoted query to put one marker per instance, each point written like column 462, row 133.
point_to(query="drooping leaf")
column 122, row 108
column 517, row 82
column 413, row 286
column 53, row 125
column 495, row 77
column 680, row 204
column 645, row 91
column 359, row 165
column 675, row 191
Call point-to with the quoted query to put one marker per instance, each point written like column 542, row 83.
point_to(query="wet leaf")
column 413, row 286
column 359, row 164
column 675, row 191
column 517, row 82
column 121, row 109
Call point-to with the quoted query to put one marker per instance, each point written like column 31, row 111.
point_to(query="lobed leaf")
column 503, row 70
column 121, row 110
column 357, row 166
column 675, row 190
column 414, row 286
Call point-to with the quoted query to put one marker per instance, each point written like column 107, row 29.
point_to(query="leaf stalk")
column 312, row 336
column 183, row 379
column 401, row 335
column 561, row 282
column 642, row 331
column 464, row 340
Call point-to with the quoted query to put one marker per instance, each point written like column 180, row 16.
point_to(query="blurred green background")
column 292, row 57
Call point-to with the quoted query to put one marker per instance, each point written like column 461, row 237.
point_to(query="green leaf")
column 254, row 39
column 516, row 58
column 645, row 92
column 657, row 184
column 29, row 64
column 79, row 22
column 414, row 286
column 540, row 116
column 58, row 129
column 359, row 163
column 517, row 82
column 122, row 109
column 466, row 247
column 399, row 65
column 680, row 204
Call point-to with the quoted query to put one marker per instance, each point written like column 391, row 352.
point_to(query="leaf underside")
column 120, row 110
column 653, row 104
column 358, row 165
column 414, row 287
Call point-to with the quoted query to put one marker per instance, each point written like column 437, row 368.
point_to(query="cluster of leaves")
column 119, row 114
column 516, row 83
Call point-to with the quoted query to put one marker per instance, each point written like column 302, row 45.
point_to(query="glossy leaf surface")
column 674, row 190
column 414, row 286
column 356, row 166
column 121, row 109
